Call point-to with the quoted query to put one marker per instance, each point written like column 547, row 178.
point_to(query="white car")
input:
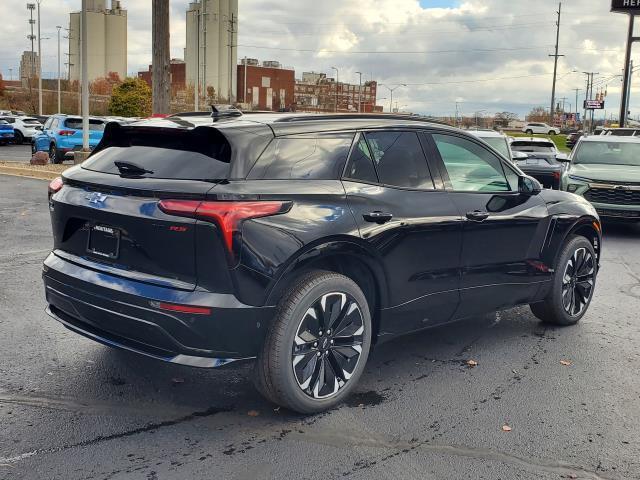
column 24, row 128
column 542, row 128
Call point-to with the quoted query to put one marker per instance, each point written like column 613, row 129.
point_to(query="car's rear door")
column 409, row 223
column 504, row 230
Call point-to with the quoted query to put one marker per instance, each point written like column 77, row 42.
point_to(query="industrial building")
column 315, row 92
column 210, row 53
column 107, row 40
column 29, row 67
column 177, row 76
column 269, row 86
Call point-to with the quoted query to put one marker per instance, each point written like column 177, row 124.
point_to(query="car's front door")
column 410, row 224
column 504, row 230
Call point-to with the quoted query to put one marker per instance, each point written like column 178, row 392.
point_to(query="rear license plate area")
column 103, row 241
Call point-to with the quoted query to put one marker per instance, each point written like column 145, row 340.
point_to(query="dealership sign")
column 594, row 104
column 630, row 6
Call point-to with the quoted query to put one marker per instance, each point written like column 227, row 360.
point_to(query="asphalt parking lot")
column 15, row 153
column 73, row 409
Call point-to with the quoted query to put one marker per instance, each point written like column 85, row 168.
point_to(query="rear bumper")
column 548, row 178
column 123, row 313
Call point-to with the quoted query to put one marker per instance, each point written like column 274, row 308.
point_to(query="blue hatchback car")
column 62, row 135
column 6, row 132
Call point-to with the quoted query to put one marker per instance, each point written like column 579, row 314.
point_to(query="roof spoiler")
column 224, row 111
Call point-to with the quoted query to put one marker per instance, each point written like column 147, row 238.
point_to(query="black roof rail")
column 360, row 116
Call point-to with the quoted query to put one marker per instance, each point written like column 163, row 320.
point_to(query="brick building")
column 268, row 86
column 177, row 75
column 317, row 93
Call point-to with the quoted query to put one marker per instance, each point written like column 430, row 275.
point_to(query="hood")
column 606, row 173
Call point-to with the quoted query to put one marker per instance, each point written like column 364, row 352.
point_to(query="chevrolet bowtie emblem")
column 96, row 198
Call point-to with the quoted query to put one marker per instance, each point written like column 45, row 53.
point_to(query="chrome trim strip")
column 621, row 187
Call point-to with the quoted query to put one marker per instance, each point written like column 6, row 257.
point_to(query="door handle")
column 377, row 217
column 477, row 216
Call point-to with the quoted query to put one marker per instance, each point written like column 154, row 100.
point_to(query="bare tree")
column 160, row 76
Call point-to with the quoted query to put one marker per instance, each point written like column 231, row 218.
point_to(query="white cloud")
column 491, row 40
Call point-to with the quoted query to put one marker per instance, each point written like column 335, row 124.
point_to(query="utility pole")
column 161, row 57
column 555, row 66
column 59, row 94
column 627, row 72
column 85, row 78
column 359, row 92
column 576, row 117
column 628, row 90
column 39, row 63
column 231, row 30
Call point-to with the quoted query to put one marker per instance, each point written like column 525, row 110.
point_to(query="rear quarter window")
column 303, row 157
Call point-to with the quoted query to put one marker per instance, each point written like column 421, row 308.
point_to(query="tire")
column 302, row 381
column 571, row 291
column 18, row 137
column 33, row 147
column 54, row 154
column 529, row 132
column 552, row 132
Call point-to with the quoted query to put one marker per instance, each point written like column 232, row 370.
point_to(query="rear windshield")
column 30, row 121
column 540, row 147
column 76, row 124
column 160, row 163
column 304, row 157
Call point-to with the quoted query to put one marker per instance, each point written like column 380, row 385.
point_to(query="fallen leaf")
column 572, row 475
column 506, row 428
column 253, row 413
column 566, row 363
column 177, row 380
column 472, row 363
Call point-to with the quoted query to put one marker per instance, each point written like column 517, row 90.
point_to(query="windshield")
column 76, row 123
column 499, row 143
column 608, row 153
column 537, row 147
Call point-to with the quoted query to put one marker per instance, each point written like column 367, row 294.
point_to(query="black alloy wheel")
column 578, row 281
column 573, row 284
column 328, row 345
column 317, row 346
column 53, row 154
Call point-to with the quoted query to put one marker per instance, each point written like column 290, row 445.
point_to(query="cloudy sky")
column 486, row 54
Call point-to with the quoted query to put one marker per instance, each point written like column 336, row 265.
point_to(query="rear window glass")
column 160, row 163
column 541, row 147
column 76, row 123
column 303, row 157
column 29, row 121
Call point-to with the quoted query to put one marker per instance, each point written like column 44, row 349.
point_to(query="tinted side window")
column 303, row 157
column 399, row 159
column 470, row 166
column 360, row 166
column 47, row 124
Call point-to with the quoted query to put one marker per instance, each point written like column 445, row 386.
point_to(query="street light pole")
column 391, row 90
column 39, row 63
column 359, row 92
column 59, row 99
column 337, row 81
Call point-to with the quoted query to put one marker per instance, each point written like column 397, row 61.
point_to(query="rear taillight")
column 227, row 215
column 66, row 133
column 556, row 175
column 55, row 185
column 171, row 307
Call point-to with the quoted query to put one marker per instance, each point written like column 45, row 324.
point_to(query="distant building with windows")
column 269, row 86
column 315, row 92
column 177, row 74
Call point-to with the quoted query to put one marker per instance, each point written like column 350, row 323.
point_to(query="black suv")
column 302, row 240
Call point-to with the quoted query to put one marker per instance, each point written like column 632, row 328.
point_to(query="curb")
column 28, row 173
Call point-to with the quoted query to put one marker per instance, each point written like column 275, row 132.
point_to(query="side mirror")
column 517, row 156
column 529, row 186
column 563, row 157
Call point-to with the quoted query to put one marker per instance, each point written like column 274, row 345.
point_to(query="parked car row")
column 61, row 135
column 25, row 128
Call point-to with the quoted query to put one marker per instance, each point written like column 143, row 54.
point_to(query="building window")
column 266, row 82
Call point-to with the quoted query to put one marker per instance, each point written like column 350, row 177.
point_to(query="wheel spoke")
column 332, row 305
